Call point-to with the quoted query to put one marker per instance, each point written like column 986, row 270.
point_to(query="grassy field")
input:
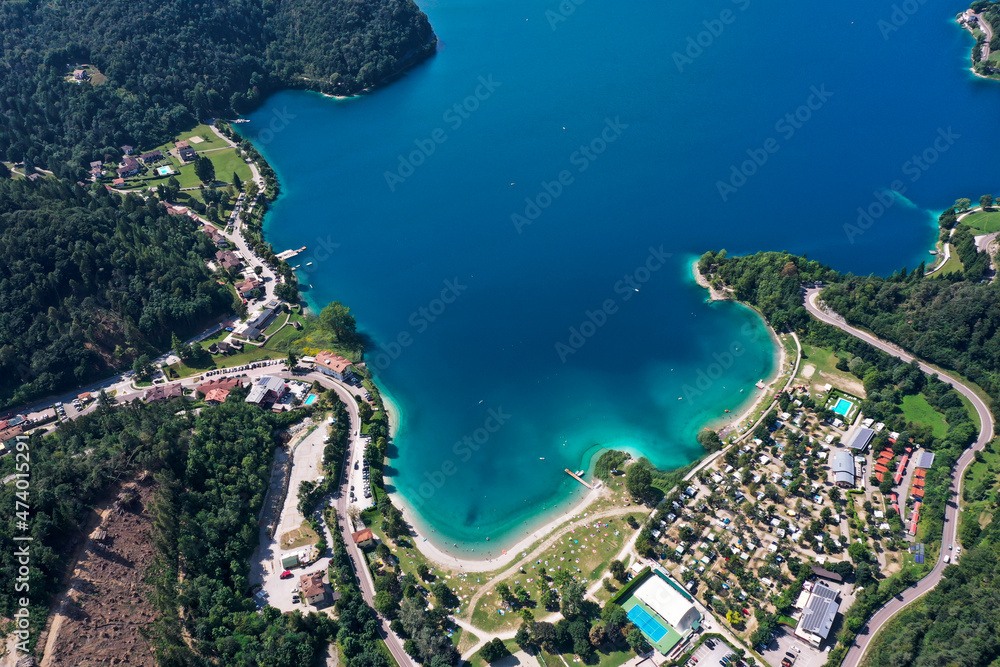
column 983, row 221
column 954, row 264
column 917, row 410
column 585, row 551
column 250, row 354
column 226, row 162
column 299, row 537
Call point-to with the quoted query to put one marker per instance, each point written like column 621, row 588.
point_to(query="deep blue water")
column 661, row 137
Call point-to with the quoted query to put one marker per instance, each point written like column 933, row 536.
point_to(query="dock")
column 288, row 254
column 578, row 478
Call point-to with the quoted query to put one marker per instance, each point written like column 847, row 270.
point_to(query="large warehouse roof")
column 668, row 602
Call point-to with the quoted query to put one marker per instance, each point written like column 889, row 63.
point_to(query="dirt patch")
column 808, row 370
column 299, row 537
column 99, row 619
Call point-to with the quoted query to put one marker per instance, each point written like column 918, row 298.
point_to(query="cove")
column 508, row 200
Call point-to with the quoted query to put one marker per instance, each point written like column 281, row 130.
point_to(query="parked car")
column 287, row 574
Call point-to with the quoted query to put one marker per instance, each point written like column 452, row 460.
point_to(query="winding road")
column 883, row 615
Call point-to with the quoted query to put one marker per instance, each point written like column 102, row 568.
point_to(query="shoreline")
column 550, row 519
column 727, row 425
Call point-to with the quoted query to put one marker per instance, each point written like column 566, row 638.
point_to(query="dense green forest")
column 158, row 65
column 205, row 530
column 90, row 280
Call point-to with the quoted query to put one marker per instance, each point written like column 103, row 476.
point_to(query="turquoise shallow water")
column 490, row 216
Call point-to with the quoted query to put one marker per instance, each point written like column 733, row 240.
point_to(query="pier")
column 288, row 254
column 578, row 478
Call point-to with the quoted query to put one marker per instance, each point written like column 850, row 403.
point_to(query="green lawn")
column 984, row 222
column 916, row 409
column 953, row 265
column 226, row 162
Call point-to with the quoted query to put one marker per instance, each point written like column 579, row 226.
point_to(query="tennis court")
column 645, row 622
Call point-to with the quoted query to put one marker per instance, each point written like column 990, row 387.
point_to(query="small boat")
column 309, row 263
column 579, row 473
column 541, row 458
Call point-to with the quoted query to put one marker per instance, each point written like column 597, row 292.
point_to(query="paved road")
column 883, row 615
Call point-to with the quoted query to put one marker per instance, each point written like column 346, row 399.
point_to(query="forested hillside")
column 170, row 62
column 89, row 280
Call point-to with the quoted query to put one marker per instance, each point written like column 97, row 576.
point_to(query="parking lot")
column 707, row 656
column 806, row 655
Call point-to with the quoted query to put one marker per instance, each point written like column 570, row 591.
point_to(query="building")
column 256, row 327
column 187, row 154
column 228, row 259
column 151, row 156
column 862, row 438
column 842, row 467
column 924, row 460
column 364, row 538
column 127, row 150
column 96, row 164
column 80, row 75
column 267, row 390
column 332, row 364
column 217, row 238
column 223, row 383
column 826, row 574
column 818, row 614
column 245, row 287
column 312, row 589
column 216, row 396
column 8, row 436
column 662, row 610
column 130, row 167
column 163, row 392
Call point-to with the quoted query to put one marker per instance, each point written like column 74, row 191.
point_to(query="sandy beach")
column 461, row 558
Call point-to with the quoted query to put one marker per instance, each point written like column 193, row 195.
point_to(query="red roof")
column 920, row 473
column 919, row 483
column 878, row 476
column 918, row 493
column 880, row 468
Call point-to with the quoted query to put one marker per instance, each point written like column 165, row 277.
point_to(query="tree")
column 709, row 440
column 523, row 637
column 384, row 604
column 572, row 599
column 494, row 650
column 204, row 169
column 637, row 642
column 617, row 569
column 292, row 360
column 962, row 205
column 4, row 171
column 423, row 572
column 598, row 635
column 638, row 481
column 337, row 319
column 237, row 183
column 544, row 634
column 986, row 201
column 143, row 367
column 835, row 494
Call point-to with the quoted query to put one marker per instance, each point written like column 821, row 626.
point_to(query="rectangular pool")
column 843, row 406
column 311, row 398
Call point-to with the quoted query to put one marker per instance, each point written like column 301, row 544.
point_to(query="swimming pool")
column 311, row 398
column 645, row 622
column 843, row 406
